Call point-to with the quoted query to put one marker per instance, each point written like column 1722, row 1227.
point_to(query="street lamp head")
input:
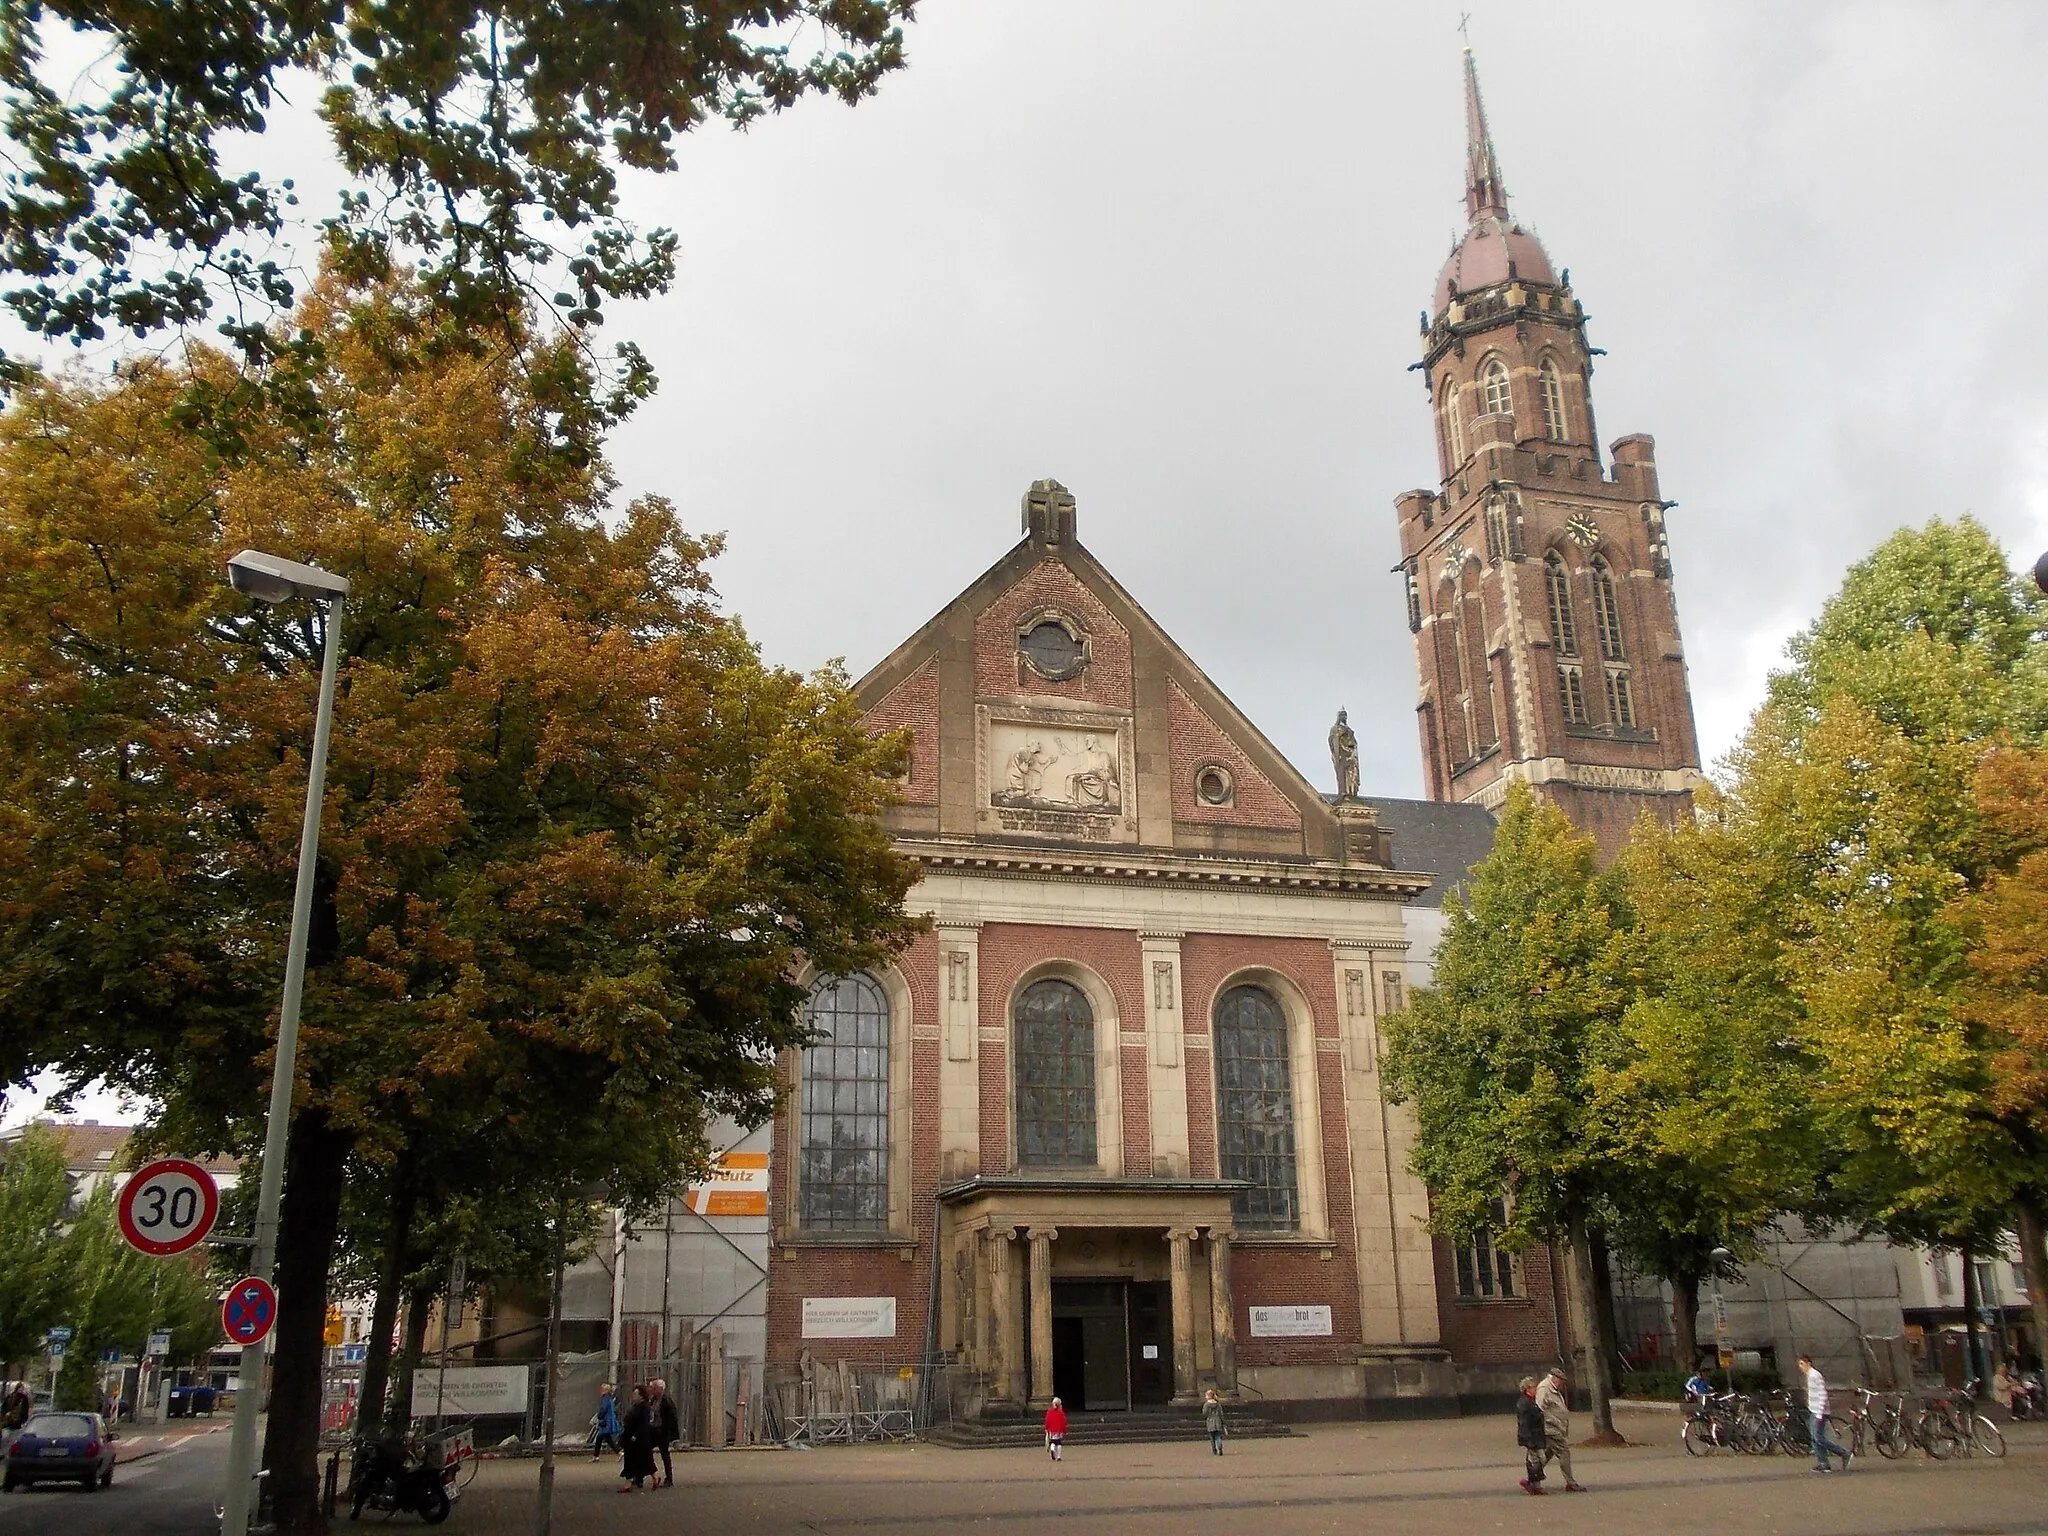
column 2041, row 572
column 272, row 579
column 1720, row 1255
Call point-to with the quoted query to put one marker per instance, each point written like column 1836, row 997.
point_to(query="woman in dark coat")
column 636, row 1438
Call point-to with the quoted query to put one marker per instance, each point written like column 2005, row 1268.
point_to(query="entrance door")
column 1090, row 1352
column 1151, row 1343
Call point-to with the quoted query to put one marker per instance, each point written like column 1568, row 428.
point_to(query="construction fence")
column 721, row 1402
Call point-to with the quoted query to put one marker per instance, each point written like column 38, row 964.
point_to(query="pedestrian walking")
column 604, row 1424
column 18, row 1408
column 1212, row 1420
column 1817, row 1413
column 636, row 1439
column 1529, row 1436
column 668, row 1427
column 1055, row 1429
column 1554, row 1397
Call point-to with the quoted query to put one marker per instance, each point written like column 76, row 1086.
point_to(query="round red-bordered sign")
column 249, row 1310
column 169, row 1206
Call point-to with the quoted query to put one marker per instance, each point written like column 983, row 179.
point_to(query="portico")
column 1061, row 1284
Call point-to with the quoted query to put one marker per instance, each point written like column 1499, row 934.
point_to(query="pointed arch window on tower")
column 1558, row 584
column 1607, row 612
column 1493, row 389
column 1551, row 389
column 1571, row 692
column 1621, row 701
column 1498, row 547
column 1454, row 426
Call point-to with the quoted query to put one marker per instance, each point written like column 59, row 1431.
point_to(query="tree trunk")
column 1593, row 1359
column 2034, row 1257
column 1685, row 1319
column 419, row 1306
column 1603, row 1297
column 395, row 1261
column 316, row 1158
column 1973, row 1302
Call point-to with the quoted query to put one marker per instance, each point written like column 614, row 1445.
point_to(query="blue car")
column 61, row 1448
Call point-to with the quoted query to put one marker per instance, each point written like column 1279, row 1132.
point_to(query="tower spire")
column 1485, row 193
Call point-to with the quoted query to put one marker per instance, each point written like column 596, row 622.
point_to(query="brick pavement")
column 1421, row 1478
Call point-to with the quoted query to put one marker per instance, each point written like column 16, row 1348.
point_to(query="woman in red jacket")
column 1055, row 1429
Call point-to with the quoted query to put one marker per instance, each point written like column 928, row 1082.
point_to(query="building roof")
column 1495, row 248
column 1440, row 838
column 90, row 1147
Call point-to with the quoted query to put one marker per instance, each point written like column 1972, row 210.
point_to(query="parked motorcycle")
column 386, row 1476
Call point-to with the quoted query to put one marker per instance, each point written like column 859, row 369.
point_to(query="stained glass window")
column 843, row 1185
column 1255, row 1109
column 1055, row 1040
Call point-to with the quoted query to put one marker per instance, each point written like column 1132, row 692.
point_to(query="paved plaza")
column 1441, row 1475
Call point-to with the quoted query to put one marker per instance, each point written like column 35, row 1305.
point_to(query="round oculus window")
column 1214, row 785
column 1053, row 650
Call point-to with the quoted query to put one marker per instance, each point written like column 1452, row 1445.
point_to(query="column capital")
column 1002, row 1233
column 1042, row 1234
column 963, row 925
column 1222, row 1235
column 1182, row 1234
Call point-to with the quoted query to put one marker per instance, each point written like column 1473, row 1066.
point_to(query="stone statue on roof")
column 1344, row 758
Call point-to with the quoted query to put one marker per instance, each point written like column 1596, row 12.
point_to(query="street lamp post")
column 272, row 580
column 1722, row 1354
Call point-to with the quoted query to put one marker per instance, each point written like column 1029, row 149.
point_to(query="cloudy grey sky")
column 1173, row 255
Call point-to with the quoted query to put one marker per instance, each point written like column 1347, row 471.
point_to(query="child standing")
column 1055, row 1429
column 1529, row 1435
column 1212, row 1420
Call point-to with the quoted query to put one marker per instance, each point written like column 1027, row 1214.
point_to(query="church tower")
column 1538, row 579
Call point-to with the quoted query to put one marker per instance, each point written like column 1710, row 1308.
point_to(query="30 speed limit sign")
column 169, row 1206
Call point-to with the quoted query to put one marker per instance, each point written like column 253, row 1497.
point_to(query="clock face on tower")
column 1584, row 530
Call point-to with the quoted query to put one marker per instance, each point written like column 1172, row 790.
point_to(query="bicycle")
column 1931, row 1431
column 1710, row 1425
column 1973, row 1431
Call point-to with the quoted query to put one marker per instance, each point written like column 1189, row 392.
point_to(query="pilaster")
column 1166, row 1069
column 960, row 1058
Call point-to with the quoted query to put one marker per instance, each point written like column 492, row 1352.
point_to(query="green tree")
column 110, row 1299
column 1854, row 793
column 1497, row 1054
column 1701, row 1093
column 483, row 141
column 576, row 837
column 34, row 1195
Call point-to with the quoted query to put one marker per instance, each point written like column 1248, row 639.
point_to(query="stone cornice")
column 1127, row 867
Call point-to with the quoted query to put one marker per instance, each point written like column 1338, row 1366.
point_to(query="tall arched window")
column 1551, row 390
column 1564, row 634
column 1055, row 1043
column 843, row 1180
column 1607, row 612
column 1255, row 1109
column 1454, row 426
column 1498, row 546
column 1493, row 389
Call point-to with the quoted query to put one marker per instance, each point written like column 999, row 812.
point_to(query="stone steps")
column 1142, row 1427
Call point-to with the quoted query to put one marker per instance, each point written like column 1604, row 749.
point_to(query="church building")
column 1113, row 1129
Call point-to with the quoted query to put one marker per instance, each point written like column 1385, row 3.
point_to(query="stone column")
column 1005, row 1322
column 1041, row 1314
column 1180, row 1244
column 1222, row 1311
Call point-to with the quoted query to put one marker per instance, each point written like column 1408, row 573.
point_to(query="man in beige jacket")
column 1554, row 1397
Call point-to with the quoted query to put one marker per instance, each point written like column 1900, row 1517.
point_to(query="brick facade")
column 913, row 705
column 1198, row 741
column 1000, row 670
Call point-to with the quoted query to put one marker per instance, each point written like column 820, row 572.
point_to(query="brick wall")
column 914, row 704
column 1000, row 671
column 1196, row 740
column 1524, row 1331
